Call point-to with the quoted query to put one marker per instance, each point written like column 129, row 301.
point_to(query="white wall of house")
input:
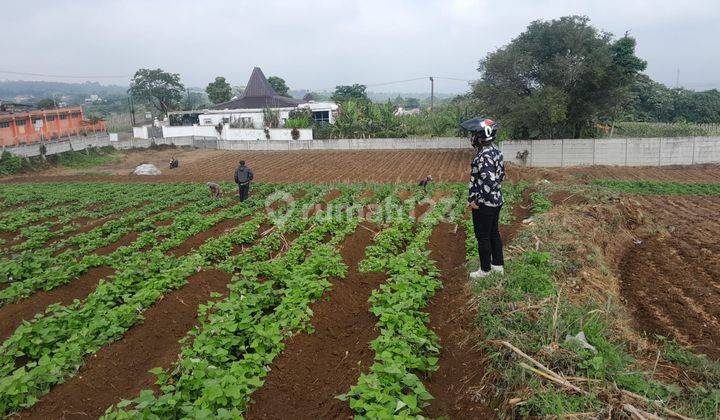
column 244, row 134
column 254, row 115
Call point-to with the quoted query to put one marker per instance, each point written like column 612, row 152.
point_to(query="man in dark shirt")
column 243, row 177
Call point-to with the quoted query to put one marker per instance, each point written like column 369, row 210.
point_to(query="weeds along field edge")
column 539, row 363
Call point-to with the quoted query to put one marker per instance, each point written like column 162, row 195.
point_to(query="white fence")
column 548, row 153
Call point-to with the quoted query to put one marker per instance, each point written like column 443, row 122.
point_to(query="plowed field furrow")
column 13, row 314
column 120, row 370
column 314, row 368
column 653, row 271
column 461, row 363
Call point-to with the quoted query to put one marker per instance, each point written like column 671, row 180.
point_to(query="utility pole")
column 132, row 110
column 432, row 93
column 677, row 79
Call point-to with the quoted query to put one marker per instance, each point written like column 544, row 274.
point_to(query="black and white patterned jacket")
column 487, row 171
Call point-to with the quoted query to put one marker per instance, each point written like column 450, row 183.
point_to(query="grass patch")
column 540, row 203
column 87, row 158
column 659, row 187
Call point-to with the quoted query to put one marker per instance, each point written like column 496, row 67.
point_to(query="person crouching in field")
column 215, row 191
column 485, row 198
column 424, row 182
column 243, row 177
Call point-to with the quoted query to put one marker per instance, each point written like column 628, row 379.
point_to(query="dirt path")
column 314, row 368
column 12, row 315
column 120, row 370
column 461, row 362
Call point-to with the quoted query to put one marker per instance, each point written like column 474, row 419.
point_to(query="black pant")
column 485, row 223
column 243, row 190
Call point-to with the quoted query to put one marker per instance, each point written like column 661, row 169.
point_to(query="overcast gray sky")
column 322, row 43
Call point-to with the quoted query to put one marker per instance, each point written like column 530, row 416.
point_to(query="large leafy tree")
column 278, row 85
column 162, row 90
column 344, row 93
column 557, row 78
column 219, row 90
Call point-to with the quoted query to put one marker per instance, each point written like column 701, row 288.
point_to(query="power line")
column 18, row 73
column 416, row 79
column 397, row 82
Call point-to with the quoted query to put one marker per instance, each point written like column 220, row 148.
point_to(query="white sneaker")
column 479, row 273
column 499, row 268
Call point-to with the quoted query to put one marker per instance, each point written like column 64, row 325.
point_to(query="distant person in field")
column 485, row 198
column 243, row 177
column 215, row 191
column 424, row 182
column 174, row 163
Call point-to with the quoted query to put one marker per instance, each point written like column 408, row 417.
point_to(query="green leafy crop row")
column 406, row 347
column 45, row 351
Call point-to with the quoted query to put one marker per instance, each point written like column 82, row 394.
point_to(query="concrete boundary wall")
column 547, row 153
column 622, row 152
column 59, row 146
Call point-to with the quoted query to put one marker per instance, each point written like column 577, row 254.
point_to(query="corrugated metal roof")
column 258, row 94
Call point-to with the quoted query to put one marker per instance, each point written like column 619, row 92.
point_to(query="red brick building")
column 32, row 125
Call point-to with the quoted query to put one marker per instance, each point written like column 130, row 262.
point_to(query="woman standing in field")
column 485, row 198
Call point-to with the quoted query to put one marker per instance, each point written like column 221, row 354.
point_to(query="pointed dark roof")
column 258, row 94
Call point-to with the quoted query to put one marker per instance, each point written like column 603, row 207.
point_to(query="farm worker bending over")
column 215, row 191
column 243, row 176
column 424, row 182
column 485, row 198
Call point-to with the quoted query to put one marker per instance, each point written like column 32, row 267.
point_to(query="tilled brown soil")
column 456, row 383
column 120, row 370
column 315, row 368
column 676, row 173
column 671, row 280
column 12, row 315
column 450, row 165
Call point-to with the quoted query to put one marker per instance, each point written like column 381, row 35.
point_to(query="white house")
column 243, row 118
column 248, row 111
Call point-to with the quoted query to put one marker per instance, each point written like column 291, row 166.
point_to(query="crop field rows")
column 138, row 267
column 337, row 300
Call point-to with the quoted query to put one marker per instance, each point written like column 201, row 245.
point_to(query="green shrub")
column 10, row 164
